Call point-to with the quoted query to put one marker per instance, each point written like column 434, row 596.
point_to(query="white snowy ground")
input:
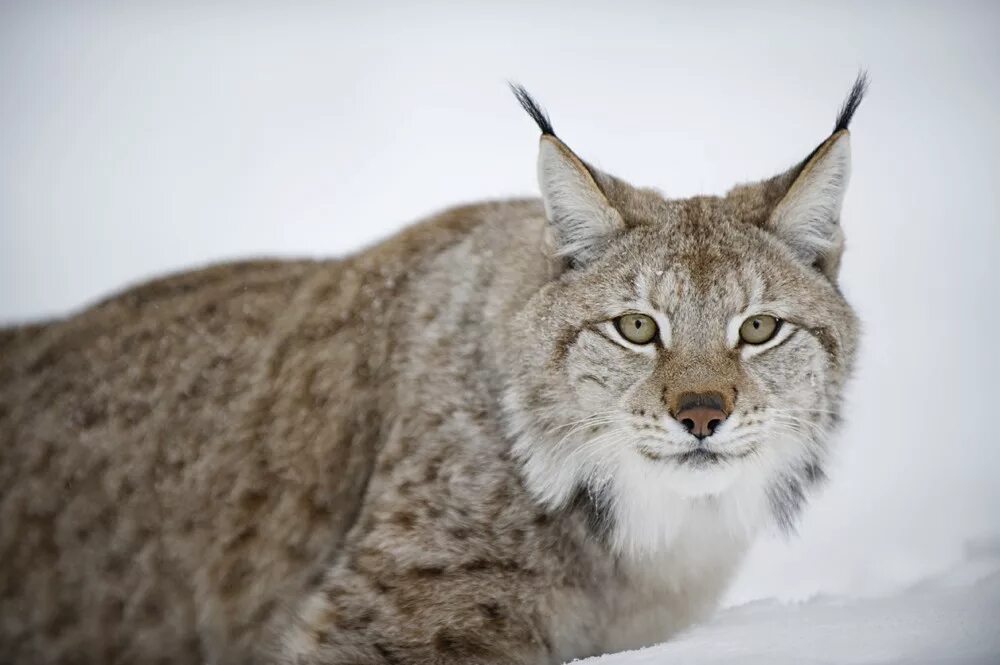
column 952, row 618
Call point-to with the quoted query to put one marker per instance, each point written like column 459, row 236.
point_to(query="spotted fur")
column 438, row 450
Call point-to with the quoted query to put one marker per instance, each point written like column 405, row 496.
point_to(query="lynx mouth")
column 695, row 458
column 699, row 457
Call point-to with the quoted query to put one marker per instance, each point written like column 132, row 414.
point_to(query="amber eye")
column 760, row 329
column 636, row 328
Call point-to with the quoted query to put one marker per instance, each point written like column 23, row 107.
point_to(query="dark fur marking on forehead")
column 533, row 109
column 852, row 102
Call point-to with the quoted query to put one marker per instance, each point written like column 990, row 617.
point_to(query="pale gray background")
column 141, row 138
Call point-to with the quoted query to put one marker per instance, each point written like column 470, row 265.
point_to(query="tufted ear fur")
column 808, row 217
column 802, row 205
column 581, row 219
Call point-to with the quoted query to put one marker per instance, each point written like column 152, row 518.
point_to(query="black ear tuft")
column 533, row 109
column 852, row 102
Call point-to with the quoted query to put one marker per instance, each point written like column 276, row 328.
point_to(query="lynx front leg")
column 421, row 615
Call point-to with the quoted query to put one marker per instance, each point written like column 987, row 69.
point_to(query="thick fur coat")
column 443, row 449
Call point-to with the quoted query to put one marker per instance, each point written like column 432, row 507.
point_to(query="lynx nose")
column 700, row 413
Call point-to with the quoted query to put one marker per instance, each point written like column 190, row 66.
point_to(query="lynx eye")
column 760, row 329
column 636, row 328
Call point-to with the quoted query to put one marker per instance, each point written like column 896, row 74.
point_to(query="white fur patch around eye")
column 663, row 323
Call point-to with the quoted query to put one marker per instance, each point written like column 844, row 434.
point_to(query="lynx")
column 522, row 431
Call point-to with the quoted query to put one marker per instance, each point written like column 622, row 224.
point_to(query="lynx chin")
column 518, row 432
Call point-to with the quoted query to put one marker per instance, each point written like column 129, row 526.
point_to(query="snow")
column 953, row 618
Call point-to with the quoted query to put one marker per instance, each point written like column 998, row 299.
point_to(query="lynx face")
column 687, row 353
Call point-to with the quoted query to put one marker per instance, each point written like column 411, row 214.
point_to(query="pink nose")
column 700, row 413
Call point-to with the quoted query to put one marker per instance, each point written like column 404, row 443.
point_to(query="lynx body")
column 518, row 432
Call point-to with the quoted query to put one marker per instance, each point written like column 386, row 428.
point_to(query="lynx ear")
column 581, row 220
column 802, row 205
column 808, row 217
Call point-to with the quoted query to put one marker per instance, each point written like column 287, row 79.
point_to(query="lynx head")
column 685, row 352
